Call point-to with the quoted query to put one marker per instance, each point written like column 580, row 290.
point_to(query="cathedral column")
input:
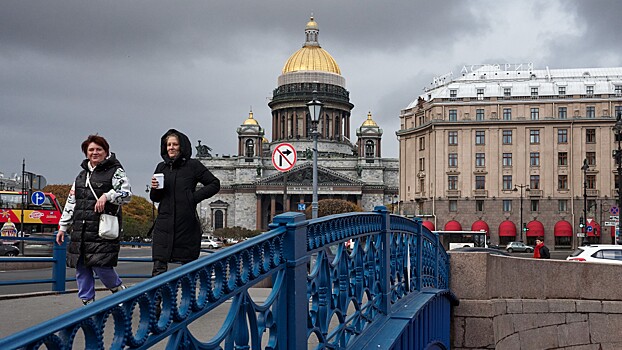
column 258, row 214
column 358, row 200
column 272, row 206
column 287, row 206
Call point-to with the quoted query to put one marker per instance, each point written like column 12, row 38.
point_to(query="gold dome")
column 312, row 24
column 369, row 121
column 311, row 57
column 250, row 120
column 265, row 140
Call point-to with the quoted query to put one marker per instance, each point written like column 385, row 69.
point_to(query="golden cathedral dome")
column 265, row 140
column 250, row 120
column 311, row 57
column 369, row 121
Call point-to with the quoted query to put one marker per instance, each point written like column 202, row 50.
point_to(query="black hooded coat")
column 177, row 229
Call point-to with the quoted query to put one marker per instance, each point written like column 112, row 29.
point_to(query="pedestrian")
column 101, row 187
column 541, row 251
column 177, row 229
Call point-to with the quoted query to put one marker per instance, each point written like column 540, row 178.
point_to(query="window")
column 535, row 113
column 589, row 90
column 452, row 138
column 590, row 112
column 479, row 114
column 562, row 205
column 507, row 114
column 618, row 110
column 591, row 158
column 534, row 159
column 562, row 136
column 507, row 205
column 218, row 219
column 561, row 91
column 534, row 136
column 453, row 93
column 562, row 182
column 480, row 182
column 562, row 158
column 507, row 92
column 534, row 182
column 453, row 205
column 507, row 137
column 453, row 160
column 480, row 137
column 534, row 92
column 453, row 115
column 480, row 159
column 452, row 182
column 562, row 112
column 421, row 164
column 250, row 148
column 591, row 181
column 479, row 205
column 369, row 149
column 618, row 90
column 507, row 182
column 422, row 143
column 480, row 94
column 507, row 159
column 590, row 135
column 535, row 205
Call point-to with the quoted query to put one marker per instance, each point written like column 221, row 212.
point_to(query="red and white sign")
column 284, row 157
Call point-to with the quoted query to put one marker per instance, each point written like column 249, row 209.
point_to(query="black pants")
column 159, row 267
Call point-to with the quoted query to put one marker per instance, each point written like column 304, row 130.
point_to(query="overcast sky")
column 130, row 70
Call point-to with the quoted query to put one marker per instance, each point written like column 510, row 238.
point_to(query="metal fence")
column 337, row 282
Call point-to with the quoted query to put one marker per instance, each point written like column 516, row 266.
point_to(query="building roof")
column 369, row 121
column 311, row 57
column 250, row 120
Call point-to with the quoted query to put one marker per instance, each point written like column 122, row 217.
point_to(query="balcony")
column 480, row 193
column 535, row 193
column 592, row 192
column 452, row 193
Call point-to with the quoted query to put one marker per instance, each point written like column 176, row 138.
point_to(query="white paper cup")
column 160, row 179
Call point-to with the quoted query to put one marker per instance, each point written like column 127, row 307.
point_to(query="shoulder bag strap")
column 88, row 182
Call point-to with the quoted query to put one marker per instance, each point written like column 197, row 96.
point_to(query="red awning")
column 535, row 229
column 562, row 229
column 595, row 229
column 429, row 225
column 480, row 225
column 507, row 229
column 453, row 225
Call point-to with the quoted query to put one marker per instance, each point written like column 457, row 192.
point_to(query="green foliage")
column 60, row 191
column 333, row 206
column 236, row 232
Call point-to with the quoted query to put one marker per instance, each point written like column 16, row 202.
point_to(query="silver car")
column 518, row 247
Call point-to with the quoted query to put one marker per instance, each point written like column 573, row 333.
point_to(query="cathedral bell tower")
column 250, row 139
column 369, row 140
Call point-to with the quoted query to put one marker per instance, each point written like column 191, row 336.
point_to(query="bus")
column 38, row 219
column 458, row 239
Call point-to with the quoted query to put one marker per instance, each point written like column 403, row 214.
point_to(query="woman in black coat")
column 177, row 229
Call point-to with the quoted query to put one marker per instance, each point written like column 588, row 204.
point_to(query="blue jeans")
column 86, row 279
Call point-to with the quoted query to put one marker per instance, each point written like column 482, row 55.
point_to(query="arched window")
column 218, row 219
column 369, row 149
column 250, row 148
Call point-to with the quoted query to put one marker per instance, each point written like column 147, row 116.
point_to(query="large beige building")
column 471, row 147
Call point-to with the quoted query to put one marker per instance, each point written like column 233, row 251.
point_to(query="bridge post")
column 295, row 253
column 59, row 269
column 385, row 259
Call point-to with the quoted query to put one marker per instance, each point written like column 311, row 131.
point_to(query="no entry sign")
column 284, row 157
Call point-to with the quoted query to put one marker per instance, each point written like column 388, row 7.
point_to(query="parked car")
column 8, row 250
column 603, row 253
column 518, row 247
column 210, row 244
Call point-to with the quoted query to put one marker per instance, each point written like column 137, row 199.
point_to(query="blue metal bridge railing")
column 387, row 289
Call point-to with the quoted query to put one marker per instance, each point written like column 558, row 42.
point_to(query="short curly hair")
column 95, row 139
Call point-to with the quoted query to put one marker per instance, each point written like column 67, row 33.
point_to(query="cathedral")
column 253, row 191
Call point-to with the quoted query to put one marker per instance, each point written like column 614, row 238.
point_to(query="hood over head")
column 184, row 145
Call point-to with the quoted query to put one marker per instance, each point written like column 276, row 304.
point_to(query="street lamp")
column 152, row 206
column 522, row 224
column 584, row 168
column 315, row 107
column 394, row 203
column 618, row 157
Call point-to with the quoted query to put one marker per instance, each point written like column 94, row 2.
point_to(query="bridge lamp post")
column 585, row 167
column 618, row 157
column 315, row 107
column 152, row 206
column 522, row 224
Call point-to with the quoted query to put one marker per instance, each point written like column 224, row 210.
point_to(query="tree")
column 333, row 206
column 236, row 232
column 60, row 191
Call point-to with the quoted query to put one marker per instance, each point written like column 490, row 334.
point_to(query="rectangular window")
column 453, row 93
column 562, row 158
column 534, row 182
column 452, row 182
column 534, row 136
column 562, row 112
column 507, row 137
column 421, row 143
column 590, row 112
column 421, row 164
column 591, row 181
column 480, row 159
column 453, row 205
column 618, row 111
column 507, row 205
column 507, row 182
column 534, row 92
column 618, row 90
column 452, row 138
column 453, row 115
column 479, row 114
column 507, row 114
column 479, row 205
column 480, row 137
column 535, row 113
column 507, row 92
column 562, row 182
column 590, row 135
column 534, row 159
column 453, row 160
column 507, row 159
column 535, row 205
column 591, row 158
column 589, row 90
column 561, row 91
column 562, row 205
column 562, row 136
column 480, row 94
column 480, row 182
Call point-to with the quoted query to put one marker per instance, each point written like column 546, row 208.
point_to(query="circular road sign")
column 37, row 198
column 284, row 157
column 589, row 229
column 614, row 210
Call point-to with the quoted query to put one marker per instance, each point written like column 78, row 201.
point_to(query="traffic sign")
column 614, row 218
column 611, row 223
column 284, row 157
column 589, row 228
column 302, row 206
column 614, row 210
column 37, row 198
column 580, row 234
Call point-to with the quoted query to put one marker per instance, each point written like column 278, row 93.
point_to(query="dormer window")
column 561, row 91
column 507, row 92
column 453, row 93
column 480, row 94
column 534, row 92
column 618, row 90
column 589, row 90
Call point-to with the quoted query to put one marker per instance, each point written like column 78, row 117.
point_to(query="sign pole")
column 21, row 223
